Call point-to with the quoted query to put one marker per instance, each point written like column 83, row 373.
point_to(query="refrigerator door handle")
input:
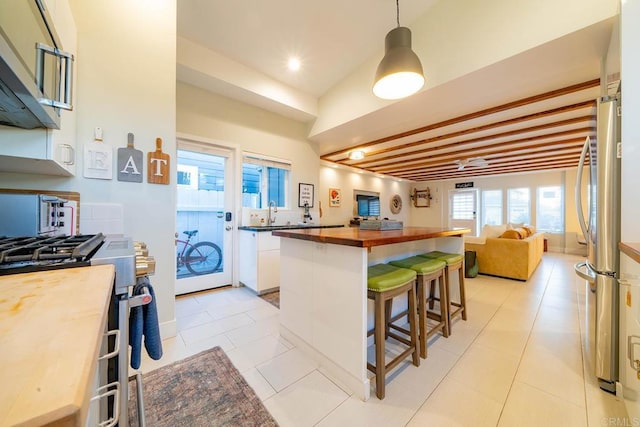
column 581, row 219
column 588, row 274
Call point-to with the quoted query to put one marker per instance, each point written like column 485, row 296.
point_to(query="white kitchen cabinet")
column 46, row 151
column 630, row 334
column 259, row 262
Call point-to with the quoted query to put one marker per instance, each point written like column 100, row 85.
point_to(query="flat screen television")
column 368, row 205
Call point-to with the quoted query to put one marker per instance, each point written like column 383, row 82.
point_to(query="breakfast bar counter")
column 324, row 309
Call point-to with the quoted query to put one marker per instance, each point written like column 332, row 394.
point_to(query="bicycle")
column 199, row 258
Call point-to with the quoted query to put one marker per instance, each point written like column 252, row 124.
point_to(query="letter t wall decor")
column 158, row 165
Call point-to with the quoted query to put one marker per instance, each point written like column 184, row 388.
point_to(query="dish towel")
column 143, row 320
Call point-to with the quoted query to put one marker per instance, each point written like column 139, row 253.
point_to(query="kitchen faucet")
column 270, row 220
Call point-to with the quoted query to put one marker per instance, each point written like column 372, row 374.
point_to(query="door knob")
column 228, row 228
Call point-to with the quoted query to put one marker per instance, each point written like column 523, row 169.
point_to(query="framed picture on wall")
column 305, row 195
column 334, row 197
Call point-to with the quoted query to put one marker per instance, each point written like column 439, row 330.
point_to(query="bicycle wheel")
column 203, row 258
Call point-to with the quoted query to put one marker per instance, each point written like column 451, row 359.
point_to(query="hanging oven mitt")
column 143, row 320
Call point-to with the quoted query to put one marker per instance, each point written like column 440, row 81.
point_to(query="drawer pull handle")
column 116, row 350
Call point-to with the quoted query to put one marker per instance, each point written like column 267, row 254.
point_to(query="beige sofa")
column 506, row 257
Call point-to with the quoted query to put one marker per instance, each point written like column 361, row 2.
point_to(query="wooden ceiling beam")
column 494, row 136
column 489, row 171
column 585, row 131
column 488, row 111
column 505, row 171
column 494, row 149
column 516, row 159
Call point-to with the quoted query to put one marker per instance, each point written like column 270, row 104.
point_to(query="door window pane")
column 200, row 211
column 518, row 201
column 463, row 206
column 550, row 208
column 492, row 207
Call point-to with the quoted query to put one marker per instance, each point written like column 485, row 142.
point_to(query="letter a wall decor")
column 130, row 162
column 158, row 165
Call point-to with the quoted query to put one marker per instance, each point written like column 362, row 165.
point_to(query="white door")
column 204, row 234
column 463, row 208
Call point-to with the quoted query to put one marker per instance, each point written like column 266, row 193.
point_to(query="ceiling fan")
column 476, row 162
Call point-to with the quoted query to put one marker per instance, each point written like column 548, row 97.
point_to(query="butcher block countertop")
column 630, row 249
column 51, row 327
column 353, row 236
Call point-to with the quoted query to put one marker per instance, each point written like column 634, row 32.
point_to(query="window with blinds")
column 463, row 206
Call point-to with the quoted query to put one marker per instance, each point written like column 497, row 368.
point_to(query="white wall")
column 225, row 121
column 454, row 38
column 347, row 180
column 126, row 83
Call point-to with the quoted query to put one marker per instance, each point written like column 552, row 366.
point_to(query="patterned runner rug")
column 201, row 390
column 272, row 298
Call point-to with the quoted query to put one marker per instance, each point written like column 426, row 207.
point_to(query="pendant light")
column 400, row 71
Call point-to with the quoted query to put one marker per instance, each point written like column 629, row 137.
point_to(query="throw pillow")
column 522, row 232
column 511, row 234
column 530, row 229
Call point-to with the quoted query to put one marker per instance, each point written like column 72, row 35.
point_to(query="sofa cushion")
column 493, row 230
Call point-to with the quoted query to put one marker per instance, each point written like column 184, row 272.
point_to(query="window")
column 492, row 207
column 368, row 205
column 463, row 206
column 550, row 208
column 263, row 180
column 518, row 205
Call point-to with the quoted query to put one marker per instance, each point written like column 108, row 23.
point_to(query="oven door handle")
column 142, row 299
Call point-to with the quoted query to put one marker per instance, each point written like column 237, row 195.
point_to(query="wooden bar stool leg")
column 422, row 319
column 432, row 293
column 413, row 323
column 444, row 306
column 445, row 300
column 380, row 331
column 463, row 299
column 388, row 306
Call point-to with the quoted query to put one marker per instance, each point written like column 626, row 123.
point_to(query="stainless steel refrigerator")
column 602, row 232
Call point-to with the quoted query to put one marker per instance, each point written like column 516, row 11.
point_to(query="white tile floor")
column 517, row 360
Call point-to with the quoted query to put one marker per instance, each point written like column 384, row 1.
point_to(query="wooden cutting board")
column 158, row 165
column 98, row 158
column 51, row 327
column 130, row 166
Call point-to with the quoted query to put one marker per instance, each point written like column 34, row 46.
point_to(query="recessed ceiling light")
column 356, row 155
column 294, row 64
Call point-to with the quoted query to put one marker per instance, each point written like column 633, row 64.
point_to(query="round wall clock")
column 396, row 204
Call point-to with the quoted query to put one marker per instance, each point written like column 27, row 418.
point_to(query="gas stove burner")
column 18, row 254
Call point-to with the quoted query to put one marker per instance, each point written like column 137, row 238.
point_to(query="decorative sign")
column 334, row 197
column 464, row 184
column 421, row 198
column 396, row 204
column 158, row 165
column 129, row 162
column 98, row 158
column 305, row 195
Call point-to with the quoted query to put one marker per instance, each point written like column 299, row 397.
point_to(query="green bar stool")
column 428, row 271
column 454, row 262
column 384, row 282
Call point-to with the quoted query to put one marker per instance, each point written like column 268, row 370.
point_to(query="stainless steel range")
column 31, row 254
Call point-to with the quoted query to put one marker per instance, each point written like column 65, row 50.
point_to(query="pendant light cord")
column 398, row 12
